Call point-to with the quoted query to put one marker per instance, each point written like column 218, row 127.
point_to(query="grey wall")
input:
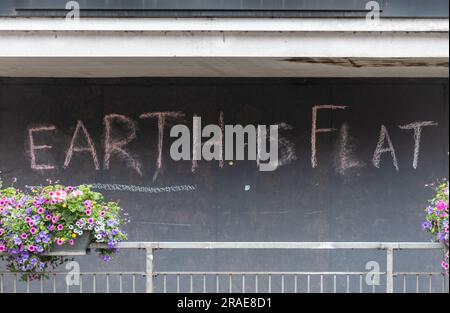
column 294, row 203
column 288, row 8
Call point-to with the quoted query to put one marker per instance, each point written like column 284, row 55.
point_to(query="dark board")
column 237, row 202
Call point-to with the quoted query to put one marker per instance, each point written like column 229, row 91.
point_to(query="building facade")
column 358, row 90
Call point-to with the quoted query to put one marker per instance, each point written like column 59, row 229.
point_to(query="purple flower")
column 426, row 225
column 17, row 241
column 112, row 243
column 106, row 258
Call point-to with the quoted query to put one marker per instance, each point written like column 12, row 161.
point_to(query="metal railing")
column 243, row 281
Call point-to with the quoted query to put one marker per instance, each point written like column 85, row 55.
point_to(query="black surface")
column 294, row 203
column 196, row 8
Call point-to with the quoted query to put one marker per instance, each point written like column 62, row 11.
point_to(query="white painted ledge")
column 224, row 24
column 132, row 47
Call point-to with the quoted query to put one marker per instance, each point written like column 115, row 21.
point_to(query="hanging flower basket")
column 437, row 218
column 38, row 229
column 79, row 247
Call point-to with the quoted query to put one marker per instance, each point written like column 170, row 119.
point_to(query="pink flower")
column 33, row 230
column 59, row 242
column 60, row 227
column 102, row 213
column 91, row 221
column 88, row 212
column 31, row 223
column 441, row 206
column 2, row 231
column 71, row 242
column 48, row 217
column 31, row 248
column 40, row 210
column 24, row 236
column 51, row 227
column 105, row 208
column 27, row 219
column 2, row 248
column 54, row 219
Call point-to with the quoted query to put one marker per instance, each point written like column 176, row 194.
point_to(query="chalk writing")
column 315, row 131
column 162, row 118
column 417, row 127
column 345, row 158
column 287, row 147
column 34, row 148
column 384, row 136
column 114, row 145
column 136, row 189
column 120, row 130
column 89, row 148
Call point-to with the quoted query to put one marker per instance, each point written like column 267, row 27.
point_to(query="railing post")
column 390, row 270
column 149, row 270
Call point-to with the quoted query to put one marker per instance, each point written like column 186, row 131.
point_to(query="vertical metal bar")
column 256, row 283
column 134, row 283
column 295, row 284
column 1, row 283
column 243, row 283
column 28, row 284
column 107, row 283
column 404, row 283
column 334, row 284
column 348, row 284
column 390, row 270
column 430, row 283
column 270, row 283
column 15, row 283
column 282, row 283
column 204, row 283
column 309, row 284
column 165, row 283
column 41, row 289
column 120, row 283
column 443, row 283
column 149, row 270
column 217, row 284
column 191, row 284
column 360, row 284
column 321, row 283
column 178, row 283
column 94, row 283
column 81, row 283
column 54, row 283
column 417, row 283
column 231, row 283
